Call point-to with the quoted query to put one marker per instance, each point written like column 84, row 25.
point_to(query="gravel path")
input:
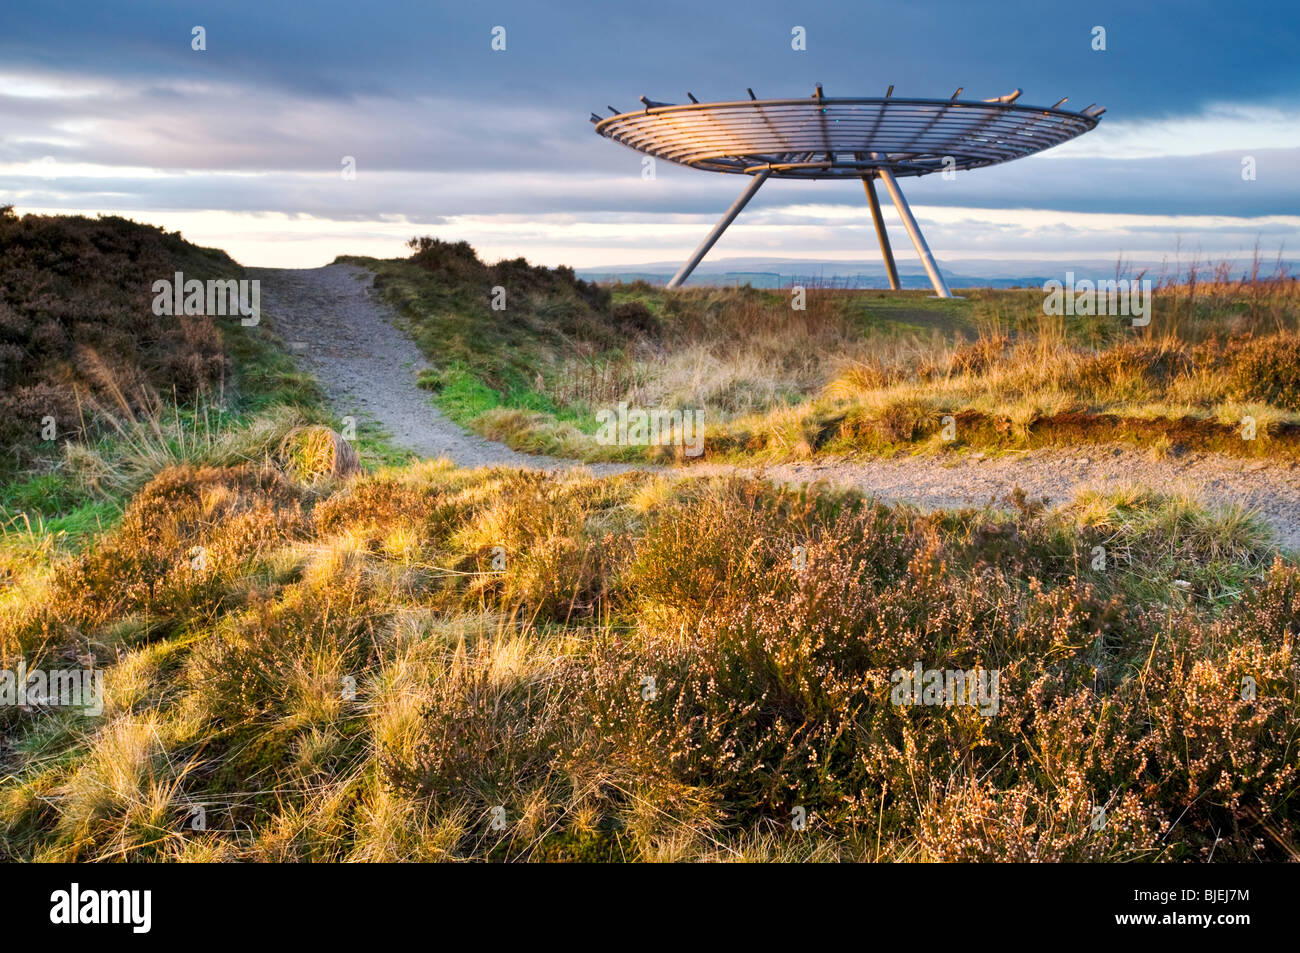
column 1272, row 488
column 332, row 320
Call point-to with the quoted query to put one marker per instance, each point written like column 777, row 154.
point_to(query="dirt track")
column 332, row 320
column 334, row 324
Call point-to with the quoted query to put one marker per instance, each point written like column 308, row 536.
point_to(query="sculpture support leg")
column 914, row 230
column 881, row 234
column 684, row 272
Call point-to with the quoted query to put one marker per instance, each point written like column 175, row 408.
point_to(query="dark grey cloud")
column 442, row 128
column 1161, row 58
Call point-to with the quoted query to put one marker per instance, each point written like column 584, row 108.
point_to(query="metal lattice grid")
column 838, row 138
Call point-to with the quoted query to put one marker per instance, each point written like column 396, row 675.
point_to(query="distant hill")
column 866, row 273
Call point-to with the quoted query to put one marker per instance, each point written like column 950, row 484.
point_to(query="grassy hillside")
column 80, row 338
column 520, row 682
column 131, row 392
column 419, row 662
column 855, row 371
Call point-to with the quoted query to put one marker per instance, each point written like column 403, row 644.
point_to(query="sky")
column 108, row 108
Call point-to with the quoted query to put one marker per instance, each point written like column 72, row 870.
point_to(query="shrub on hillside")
column 170, row 556
column 1267, row 369
column 457, row 264
column 633, row 317
column 76, row 315
column 26, row 410
column 978, row 356
column 192, row 357
column 1156, row 364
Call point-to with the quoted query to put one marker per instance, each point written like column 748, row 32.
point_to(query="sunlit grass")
column 521, row 686
column 766, row 375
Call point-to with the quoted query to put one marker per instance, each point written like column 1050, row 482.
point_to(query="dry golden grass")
column 428, row 664
column 778, row 382
column 353, row 678
column 314, row 453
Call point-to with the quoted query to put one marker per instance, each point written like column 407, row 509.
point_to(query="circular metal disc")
column 842, row 138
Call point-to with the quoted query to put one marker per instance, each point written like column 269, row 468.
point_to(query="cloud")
column 1207, row 185
column 448, row 136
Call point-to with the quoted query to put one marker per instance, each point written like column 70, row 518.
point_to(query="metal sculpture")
column 823, row 138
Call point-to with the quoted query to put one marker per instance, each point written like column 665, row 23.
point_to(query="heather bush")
column 661, row 669
column 76, row 316
column 1267, row 369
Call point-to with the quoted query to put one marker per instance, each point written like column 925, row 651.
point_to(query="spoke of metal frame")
column 870, row 185
column 914, row 230
column 739, row 136
column 684, row 272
